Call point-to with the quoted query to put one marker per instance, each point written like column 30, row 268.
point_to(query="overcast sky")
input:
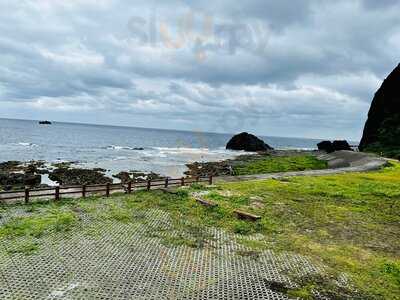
column 285, row 68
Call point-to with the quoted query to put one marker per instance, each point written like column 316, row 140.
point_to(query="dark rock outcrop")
column 341, row 145
column 137, row 176
column 10, row 166
column 69, row 176
column 203, row 169
column 18, row 175
column 330, row 147
column 123, row 176
column 382, row 129
column 247, row 142
column 326, row 146
column 19, row 180
column 227, row 167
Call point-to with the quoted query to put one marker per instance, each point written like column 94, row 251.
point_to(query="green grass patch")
column 274, row 164
column 22, row 234
column 350, row 223
column 25, row 247
column 36, row 226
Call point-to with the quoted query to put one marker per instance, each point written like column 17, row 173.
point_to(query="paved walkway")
column 338, row 163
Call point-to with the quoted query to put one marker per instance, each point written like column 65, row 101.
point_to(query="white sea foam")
column 163, row 152
column 120, row 158
column 153, row 153
column 117, row 147
column 183, row 150
column 168, row 151
column 26, row 144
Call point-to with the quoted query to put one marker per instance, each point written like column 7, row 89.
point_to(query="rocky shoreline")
column 16, row 175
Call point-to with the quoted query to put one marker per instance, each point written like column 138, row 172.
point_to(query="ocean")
column 116, row 148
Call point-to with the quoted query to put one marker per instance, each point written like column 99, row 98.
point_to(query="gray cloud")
column 304, row 68
column 380, row 4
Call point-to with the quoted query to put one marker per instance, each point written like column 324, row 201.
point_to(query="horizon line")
column 163, row 129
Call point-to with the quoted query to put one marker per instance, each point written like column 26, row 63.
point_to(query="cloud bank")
column 287, row 68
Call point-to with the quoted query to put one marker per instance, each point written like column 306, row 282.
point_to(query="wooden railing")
column 83, row 191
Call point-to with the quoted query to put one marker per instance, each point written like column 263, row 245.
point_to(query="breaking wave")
column 116, row 147
column 23, row 144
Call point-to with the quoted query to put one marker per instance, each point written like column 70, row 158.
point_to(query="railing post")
column 57, row 193
column 182, row 181
column 26, row 195
column 83, row 191
column 149, row 184
column 107, row 190
column 210, row 180
column 166, row 182
column 129, row 187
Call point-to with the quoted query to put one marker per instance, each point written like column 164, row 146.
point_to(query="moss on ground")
column 274, row 164
column 349, row 223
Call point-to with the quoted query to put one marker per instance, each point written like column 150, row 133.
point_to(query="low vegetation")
column 387, row 141
column 24, row 233
column 274, row 164
column 261, row 163
column 385, row 151
column 36, row 226
column 348, row 223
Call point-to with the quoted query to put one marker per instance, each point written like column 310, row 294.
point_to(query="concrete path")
column 338, row 163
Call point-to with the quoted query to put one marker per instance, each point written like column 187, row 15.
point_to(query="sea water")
column 121, row 148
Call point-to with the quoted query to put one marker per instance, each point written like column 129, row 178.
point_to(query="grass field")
column 348, row 223
column 274, row 164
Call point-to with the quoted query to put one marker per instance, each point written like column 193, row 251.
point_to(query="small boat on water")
column 44, row 122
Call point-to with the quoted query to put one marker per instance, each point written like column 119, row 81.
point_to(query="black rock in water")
column 69, row 176
column 330, row 147
column 18, row 175
column 19, row 180
column 137, row 176
column 341, row 145
column 247, row 142
column 382, row 129
column 326, row 146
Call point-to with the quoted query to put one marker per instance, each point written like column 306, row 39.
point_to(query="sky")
column 305, row 68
